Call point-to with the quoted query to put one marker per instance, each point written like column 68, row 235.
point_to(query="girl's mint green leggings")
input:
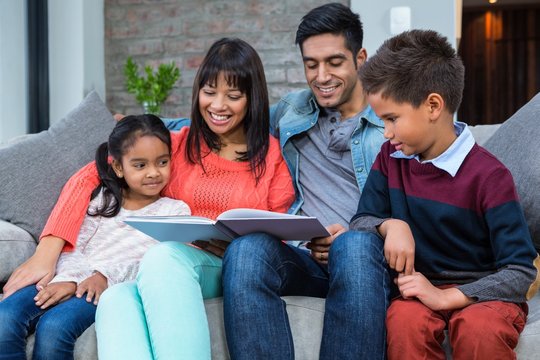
column 161, row 315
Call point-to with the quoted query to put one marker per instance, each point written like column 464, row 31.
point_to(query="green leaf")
column 153, row 87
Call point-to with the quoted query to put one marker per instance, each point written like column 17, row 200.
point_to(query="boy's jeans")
column 258, row 269
column 56, row 328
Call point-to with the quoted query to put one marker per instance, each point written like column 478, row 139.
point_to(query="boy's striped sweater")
column 468, row 229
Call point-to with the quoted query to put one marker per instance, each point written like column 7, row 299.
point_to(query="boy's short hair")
column 411, row 65
column 333, row 18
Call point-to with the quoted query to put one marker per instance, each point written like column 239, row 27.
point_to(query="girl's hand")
column 55, row 293
column 398, row 245
column 321, row 246
column 93, row 286
column 39, row 269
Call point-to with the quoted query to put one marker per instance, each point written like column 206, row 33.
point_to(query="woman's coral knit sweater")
column 221, row 185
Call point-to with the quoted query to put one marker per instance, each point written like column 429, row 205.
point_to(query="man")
column 329, row 138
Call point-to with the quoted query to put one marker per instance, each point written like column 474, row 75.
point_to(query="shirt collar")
column 367, row 113
column 371, row 117
column 452, row 158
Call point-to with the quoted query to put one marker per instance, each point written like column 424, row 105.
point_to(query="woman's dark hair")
column 122, row 138
column 333, row 18
column 242, row 68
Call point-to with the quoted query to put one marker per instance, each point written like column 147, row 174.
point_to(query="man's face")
column 332, row 72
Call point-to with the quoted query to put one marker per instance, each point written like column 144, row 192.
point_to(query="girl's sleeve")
column 281, row 193
column 70, row 209
column 72, row 266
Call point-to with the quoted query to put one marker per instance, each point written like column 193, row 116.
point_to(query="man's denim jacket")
column 296, row 113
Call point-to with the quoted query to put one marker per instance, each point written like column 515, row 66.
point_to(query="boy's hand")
column 418, row 286
column 321, row 246
column 55, row 293
column 398, row 245
column 39, row 269
column 93, row 286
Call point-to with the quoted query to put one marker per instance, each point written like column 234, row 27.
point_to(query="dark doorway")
column 500, row 48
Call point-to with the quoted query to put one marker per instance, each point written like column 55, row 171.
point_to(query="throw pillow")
column 34, row 169
column 515, row 144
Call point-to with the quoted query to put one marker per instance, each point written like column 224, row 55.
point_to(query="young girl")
column 107, row 250
column 226, row 159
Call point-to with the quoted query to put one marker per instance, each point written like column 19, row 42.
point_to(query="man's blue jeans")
column 258, row 269
column 56, row 328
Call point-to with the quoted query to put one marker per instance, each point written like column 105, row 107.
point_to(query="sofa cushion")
column 515, row 144
column 34, row 169
column 15, row 245
column 482, row 133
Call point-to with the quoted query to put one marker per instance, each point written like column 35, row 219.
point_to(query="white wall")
column 76, row 53
column 439, row 15
column 13, row 96
column 76, row 59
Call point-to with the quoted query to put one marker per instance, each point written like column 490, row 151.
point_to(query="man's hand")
column 93, row 286
column 55, row 293
column 216, row 247
column 39, row 269
column 321, row 246
column 418, row 286
column 398, row 245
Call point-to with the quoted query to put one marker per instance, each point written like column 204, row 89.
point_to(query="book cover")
column 229, row 225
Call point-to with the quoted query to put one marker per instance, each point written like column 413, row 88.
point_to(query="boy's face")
column 332, row 72
column 408, row 128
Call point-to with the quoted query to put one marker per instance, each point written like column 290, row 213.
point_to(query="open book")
column 228, row 226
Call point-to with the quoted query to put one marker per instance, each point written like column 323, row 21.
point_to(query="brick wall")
column 155, row 31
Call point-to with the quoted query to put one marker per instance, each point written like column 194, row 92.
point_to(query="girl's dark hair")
column 122, row 138
column 333, row 18
column 242, row 68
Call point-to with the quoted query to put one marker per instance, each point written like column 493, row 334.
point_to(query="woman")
column 225, row 160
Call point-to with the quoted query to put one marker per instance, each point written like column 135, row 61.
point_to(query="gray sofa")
column 32, row 167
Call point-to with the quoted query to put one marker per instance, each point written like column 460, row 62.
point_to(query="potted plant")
column 152, row 89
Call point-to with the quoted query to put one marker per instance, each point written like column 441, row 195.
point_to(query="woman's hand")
column 39, row 269
column 216, row 247
column 118, row 117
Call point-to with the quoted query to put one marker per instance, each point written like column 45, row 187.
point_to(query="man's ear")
column 435, row 105
column 361, row 57
column 117, row 168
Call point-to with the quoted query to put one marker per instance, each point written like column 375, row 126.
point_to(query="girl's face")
column 223, row 108
column 146, row 168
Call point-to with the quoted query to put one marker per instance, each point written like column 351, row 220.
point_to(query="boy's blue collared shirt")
column 451, row 159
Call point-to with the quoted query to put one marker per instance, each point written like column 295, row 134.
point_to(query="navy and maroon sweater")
column 468, row 229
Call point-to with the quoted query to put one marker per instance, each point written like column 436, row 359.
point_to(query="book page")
column 242, row 213
column 173, row 219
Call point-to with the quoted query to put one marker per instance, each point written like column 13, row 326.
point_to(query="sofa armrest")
column 16, row 245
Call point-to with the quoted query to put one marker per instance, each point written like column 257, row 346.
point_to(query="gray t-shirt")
column 326, row 172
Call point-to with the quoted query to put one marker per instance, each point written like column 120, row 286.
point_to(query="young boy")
column 434, row 188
